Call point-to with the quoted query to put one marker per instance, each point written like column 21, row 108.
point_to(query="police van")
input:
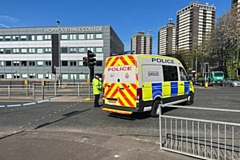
column 139, row 83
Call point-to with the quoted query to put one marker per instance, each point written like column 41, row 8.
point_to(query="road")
column 82, row 117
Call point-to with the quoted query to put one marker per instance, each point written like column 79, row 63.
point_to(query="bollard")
column 206, row 84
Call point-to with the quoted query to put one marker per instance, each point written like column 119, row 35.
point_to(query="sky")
column 126, row 17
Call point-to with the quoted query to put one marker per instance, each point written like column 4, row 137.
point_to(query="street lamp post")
column 59, row 54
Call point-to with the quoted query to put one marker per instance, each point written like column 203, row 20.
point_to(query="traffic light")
column 206, row 67
column 85, row 61
column 91, row 58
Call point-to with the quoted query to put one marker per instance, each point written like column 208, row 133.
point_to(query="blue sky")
column 127, row 17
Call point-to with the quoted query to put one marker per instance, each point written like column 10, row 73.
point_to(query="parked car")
column 232, row 82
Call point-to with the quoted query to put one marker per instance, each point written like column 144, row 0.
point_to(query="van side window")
column 170, row 73
column 183, row 74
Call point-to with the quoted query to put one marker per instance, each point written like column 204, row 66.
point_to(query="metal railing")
column 39, row 91
column 204, row 139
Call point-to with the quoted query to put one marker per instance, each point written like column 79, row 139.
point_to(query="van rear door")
column 120, row 84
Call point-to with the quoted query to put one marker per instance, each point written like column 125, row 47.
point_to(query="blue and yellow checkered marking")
column 170, row 89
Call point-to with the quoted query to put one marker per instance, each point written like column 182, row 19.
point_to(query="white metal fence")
column 204, row 139
column 39, row 91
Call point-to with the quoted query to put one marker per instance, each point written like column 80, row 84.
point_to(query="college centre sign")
column 73, row 29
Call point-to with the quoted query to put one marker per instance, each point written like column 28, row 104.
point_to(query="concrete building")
column 167, row 39
column 235, row 3
column 194, row 23
column 141, row 43
column 33, row 52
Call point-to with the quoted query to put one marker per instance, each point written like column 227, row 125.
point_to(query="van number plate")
column 112, row 101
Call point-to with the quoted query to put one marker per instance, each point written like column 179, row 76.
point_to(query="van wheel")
column 190, row 99
column 155, row 108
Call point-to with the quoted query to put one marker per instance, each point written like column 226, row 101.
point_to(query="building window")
column 31, row 63
column 23, row 38
column 8, row 63
column 90, row 36
column 99, row 36
column 64, row 63
column 7, row 38
column 99, row 50
column 72, row 50
column 99, row 63
column 1, row 50
column 64, row 50
column 1, row 63
column 15, row 63
column 39, row 50
column 39, row 63
column 8, row 51
column 90, row 49
column 1, row 76
column 40, row 76
column 39, row 37
column 31, row 37
column 80, row 63
column 24, row 63
column 32, row 75
column 9, row 76
column 15, row 50
column 73, row 76
column 64, row 36
column 1, row 38
column 48, row 63
column 81, row 50
column 64, row 76
column 15, row 38
column 31, row 50
column 24, row 76
column 24, row 50
column 73, row 63
column 82, row 76
column 81, row 36
column 47, row 37
column 48, row 50
column 73, row 36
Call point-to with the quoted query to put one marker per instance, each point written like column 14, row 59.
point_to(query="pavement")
column 73, row 145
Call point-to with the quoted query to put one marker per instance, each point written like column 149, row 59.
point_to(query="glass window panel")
column 31, row 63
column 31, row 50
column 73, row 36
column 7, row 38
column 40, row 63
column 40, row 50
column 1, row 63
column 47, row 37
column 64, row 37
column 73, row 63
column 39, row 37
column 64, row 50
column 64, row 76
column 48, row 50
column 99, row 36
column 91, row 49
column 73, row 76
column 15, row 50
column 64, row 63
column 81, row 50
column 24, row 63
column 24, row 50
column 1, row 51
column 1, row 38
column 9, row 76
column 40, row 76
column 15, row 63
column 8, row 63
column 31, row 37
column 15, row 38
column 23, row 38
column 99, row 49
column 82, row 76
column 89, row 36
column 81, row 36
column 80, row 63
column 24, row 76
column 8, row 51
column 73, row 50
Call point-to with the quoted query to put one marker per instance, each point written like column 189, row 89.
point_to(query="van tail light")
column 139, row 94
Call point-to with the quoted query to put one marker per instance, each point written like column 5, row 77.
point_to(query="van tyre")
column 190, row 99
column 155, row 110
